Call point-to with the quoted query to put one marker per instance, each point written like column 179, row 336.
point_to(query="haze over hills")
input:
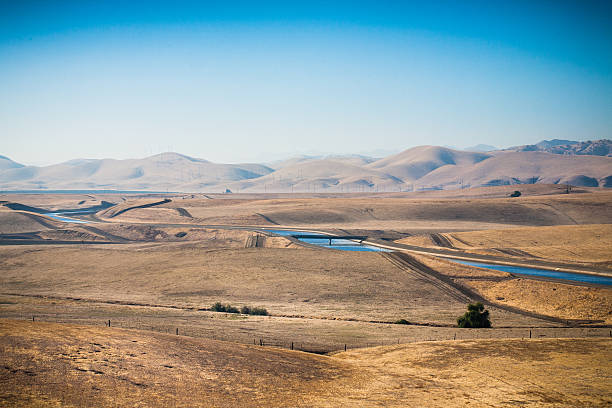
column 480, row 148
column 6, row 163
column 418, row 168
column 159, row 172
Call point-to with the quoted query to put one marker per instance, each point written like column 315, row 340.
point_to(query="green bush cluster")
column 227, row 308
column 258, row 311
column 475, row 317
column 219, row 307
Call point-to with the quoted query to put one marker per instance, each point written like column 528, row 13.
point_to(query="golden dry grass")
column 318, row 297
column 314, row 334
column 306, row 282
column 64, row 365
column 410, row 213
column 60, row 201
column 589, row 243
column 487, row 373
column 550, row 298
column 561, row 300
column 12, row 222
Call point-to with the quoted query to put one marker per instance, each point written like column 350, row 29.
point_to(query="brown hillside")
column 50, row 364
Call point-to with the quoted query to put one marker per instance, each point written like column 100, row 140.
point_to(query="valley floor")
column 155, row 272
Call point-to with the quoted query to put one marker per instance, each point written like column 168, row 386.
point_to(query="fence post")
column 177, row 331
column 291, row 345
column 32, row 318
column 529, row 333
column 345, row 347
column 260, row 342
column 455, row 336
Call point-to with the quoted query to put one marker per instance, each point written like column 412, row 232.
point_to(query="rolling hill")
column 6, row 163
column 412, row 164
column 166, row 171
column 503, row 168
column 570, row 147
column 418, row 168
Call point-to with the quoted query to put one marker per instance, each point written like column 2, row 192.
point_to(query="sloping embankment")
column 123, row 208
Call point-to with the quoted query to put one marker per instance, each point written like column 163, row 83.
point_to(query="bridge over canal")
column 359, row 238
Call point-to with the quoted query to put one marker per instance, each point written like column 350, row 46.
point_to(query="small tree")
column 475, row 317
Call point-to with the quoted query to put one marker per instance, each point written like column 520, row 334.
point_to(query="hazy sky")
column 234, row 81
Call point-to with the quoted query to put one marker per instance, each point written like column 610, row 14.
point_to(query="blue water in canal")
column 519, row 270
column 60, row 216
column 346, row 245
column 339, row 244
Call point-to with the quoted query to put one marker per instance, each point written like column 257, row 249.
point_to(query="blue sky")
column 252, row 81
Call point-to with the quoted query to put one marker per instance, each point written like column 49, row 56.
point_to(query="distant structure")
column 227, row 191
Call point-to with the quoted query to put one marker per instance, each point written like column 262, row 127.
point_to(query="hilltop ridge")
column 585, row 164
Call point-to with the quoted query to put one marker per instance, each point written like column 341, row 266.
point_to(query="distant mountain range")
column 591, row 148
column 420, row 168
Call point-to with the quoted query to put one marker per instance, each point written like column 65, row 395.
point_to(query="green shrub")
column 402, row 321
column 475, row 317
column 259, row 311
column 231, row 309
column 516, row 194
column 219, row 307
column 227, row 308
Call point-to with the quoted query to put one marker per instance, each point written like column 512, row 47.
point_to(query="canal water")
column 520, row 270
column 347, row 245
column 61, row 216
column 339, row 244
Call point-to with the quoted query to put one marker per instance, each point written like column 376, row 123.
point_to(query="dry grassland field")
column 586, row 244
column 153, row 265
column 111, row 367
column 409, row 213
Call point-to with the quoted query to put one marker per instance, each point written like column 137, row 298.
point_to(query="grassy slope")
column 311, row 282
column 12, row 222
column 487, row 373
column 556, row 299
column 580, row 244
column 49, row 364
column 409, row 213
column 573, row 243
